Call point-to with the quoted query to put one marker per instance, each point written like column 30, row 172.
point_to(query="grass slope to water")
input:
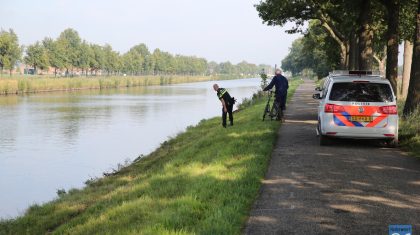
column 203, row 181
column 30, row 84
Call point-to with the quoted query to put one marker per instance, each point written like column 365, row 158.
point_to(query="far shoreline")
column 37, row 84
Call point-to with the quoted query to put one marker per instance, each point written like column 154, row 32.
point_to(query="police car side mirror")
column 316, row 96
column 318, row 88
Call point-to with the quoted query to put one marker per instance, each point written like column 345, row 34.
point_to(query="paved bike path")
column 350, row 187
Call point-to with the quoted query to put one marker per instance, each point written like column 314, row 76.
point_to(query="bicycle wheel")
column 274, row 110
column 266, row 110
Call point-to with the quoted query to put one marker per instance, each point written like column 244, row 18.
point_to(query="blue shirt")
column 281, row 84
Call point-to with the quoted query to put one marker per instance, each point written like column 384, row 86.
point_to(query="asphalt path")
column 348, row 187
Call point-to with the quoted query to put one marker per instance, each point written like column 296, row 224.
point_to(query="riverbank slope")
column 202, row 181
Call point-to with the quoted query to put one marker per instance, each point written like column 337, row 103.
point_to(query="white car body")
column 351, row 110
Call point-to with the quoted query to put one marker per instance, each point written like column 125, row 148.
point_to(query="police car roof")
column 354, row 76
column 354, row 72
column 351, row 78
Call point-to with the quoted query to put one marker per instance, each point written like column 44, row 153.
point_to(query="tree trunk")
column 345, row 48
column 365, row 36
column 382, row 65
column 344, row 44
column 381, row 61
column 393, row 7
column 413, row 96
column 353, row 52
column 408, row 56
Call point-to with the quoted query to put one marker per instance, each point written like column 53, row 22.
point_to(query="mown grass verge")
column 203, row 181
column 31, row 84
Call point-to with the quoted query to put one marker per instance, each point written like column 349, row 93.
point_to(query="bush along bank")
column 203, row 181
column 409, row 131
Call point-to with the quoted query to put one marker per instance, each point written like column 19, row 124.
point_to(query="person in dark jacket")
column 281, row 84
column 227, row 103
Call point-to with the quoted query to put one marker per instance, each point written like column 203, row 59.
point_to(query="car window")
column 325, row 89
column 361, row 92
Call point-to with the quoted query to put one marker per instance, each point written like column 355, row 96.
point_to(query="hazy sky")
column 217, row 30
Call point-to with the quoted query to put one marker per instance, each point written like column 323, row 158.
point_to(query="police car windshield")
column 361, row 92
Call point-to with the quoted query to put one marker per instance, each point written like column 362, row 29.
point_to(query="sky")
column 218, row 30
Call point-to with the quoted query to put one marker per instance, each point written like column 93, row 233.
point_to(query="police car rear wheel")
column 392, row 143
column 324, row 140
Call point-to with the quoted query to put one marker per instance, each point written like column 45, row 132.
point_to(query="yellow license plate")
column 361, row 118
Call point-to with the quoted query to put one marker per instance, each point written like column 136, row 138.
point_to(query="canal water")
column 51, row 141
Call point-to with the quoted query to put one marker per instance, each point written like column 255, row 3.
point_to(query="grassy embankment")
column 30, row 84
column 409, row 128
column 409, row 131
column 203, row 181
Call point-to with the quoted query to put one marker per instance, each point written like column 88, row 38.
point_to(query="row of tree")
column 358, row 34
column 69, row 53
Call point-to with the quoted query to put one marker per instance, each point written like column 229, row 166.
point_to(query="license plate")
column 361, row 118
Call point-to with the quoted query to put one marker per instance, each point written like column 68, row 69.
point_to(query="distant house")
column 22, row 68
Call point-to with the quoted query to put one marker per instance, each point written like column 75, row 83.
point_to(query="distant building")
column 22, row 68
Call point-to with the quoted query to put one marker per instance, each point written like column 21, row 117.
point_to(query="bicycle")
column 275, row 111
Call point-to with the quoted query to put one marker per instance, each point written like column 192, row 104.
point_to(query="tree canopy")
column 10, row 51
column 70, row 53
column 36, row 56
column 361, row 28
column 350, row 35
column 316, row 51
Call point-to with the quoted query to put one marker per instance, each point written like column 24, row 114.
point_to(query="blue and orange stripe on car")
column 343, row 118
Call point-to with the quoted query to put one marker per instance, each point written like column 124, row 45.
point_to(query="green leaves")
column 78, row 57
column 36, row 56
column 10, row 51
column 55, row 51
column 316, row 51
column 70, row 42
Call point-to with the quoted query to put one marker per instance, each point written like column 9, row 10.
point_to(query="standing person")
column 227, row 102
column 281, row 84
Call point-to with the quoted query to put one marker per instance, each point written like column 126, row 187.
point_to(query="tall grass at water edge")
column 25, row 84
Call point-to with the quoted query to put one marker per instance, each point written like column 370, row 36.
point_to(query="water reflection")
column 58, row 140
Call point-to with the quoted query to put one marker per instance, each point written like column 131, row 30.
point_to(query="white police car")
column 357, row 104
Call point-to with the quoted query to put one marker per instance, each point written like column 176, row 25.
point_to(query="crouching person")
column 227, row 103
